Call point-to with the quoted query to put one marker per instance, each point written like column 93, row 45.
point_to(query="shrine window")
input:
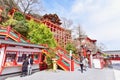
column 10, row 56
column 21, row 57
column 10, row 59
column 36, row 57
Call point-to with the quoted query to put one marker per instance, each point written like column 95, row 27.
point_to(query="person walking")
column 24, row 67
column 81, row 63
column 85, row 63
column 30, row 63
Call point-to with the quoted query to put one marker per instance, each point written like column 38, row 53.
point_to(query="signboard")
column 96, row 63
column 70, row 52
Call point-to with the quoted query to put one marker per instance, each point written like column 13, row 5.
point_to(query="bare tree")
column 66, row 23
column 77, row 31
column 101, row 46
column 30, row 6
column 7, row 6
column 80, row 31
column 78, row 35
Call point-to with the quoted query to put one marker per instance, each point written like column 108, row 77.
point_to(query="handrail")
column 17, row 35
column 2, row 27
column 65, row 54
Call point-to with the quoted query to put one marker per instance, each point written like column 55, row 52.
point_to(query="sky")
column 100, row 19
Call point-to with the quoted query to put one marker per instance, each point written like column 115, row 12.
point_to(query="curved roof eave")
column 21, row 44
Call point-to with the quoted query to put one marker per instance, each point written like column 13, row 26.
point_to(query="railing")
column 13, row 34
column 21, row 37
column 65, row 61
column 114, row 58
column 65, row 53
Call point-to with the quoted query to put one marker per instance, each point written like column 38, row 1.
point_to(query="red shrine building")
column 87, row 43
column 14, row 48
column 61, row 35
column 0, row 14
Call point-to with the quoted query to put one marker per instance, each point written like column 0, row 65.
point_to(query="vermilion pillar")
column 72, row 65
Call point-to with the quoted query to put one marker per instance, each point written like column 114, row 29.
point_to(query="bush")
column 18, row 16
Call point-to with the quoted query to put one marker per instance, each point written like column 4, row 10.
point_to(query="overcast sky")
column 100, row 19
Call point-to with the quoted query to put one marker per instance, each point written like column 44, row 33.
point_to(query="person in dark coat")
column 24, row 67
column 81, row 63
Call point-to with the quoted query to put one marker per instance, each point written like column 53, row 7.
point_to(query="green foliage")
column 49, row 58
column 71, row 46
column 10, row 22
column 49, row 62
column 18, row 16
column 22, row 27
column 18, row 23
column 40, row 34
column 4, row 14
column 104, row 55
column 19, row 26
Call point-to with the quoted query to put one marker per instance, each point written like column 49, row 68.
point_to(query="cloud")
column 107, row 21
column 77, row 7
column 109, row 33
column 99, row 11
column 80, row 6
column 100, row 19
column 110, row 11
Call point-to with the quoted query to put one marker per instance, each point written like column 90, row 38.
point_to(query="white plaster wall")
column 1, row 55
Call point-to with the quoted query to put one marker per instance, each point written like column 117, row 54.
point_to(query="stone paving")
column 116, row 67
column 110, row 73
column 90, row 74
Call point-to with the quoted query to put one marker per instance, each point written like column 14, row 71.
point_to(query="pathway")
column 90, row 74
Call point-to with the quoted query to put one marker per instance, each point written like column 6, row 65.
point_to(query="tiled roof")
column 112, row 52
column 20, row 44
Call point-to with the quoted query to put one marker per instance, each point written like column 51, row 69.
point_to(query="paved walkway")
column 90, row 74
column 116, row 67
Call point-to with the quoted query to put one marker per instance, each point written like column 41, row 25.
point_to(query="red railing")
column 63, row 61
column 67, row 63
column 18, row 36
column 66, row 53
